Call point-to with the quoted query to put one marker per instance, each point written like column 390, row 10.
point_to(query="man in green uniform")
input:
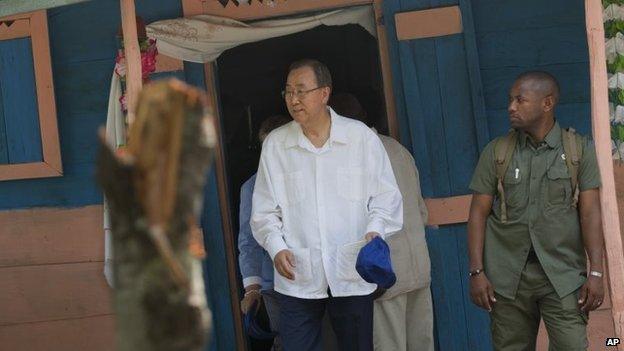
column 531, row 227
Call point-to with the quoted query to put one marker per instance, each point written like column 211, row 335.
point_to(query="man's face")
column 525, row 106
column 305, row 104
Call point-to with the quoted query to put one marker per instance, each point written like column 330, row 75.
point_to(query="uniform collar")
column 337, row 132
column 552, row 139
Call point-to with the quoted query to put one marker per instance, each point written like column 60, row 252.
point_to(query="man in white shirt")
column 324, row 188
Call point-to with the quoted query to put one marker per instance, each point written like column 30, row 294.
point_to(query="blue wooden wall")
column 451, row 98
column 514, row 36
column 83, row 46
column 510, row 36
column 20, row 141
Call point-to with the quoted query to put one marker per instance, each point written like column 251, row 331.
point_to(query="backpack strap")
column 573, row 148
column 503, row 152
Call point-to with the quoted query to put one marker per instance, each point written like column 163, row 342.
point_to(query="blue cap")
column 253, row 326
column 374, row 265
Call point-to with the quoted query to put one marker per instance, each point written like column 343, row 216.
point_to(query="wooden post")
column 602, row 136
column 154, row 192
column 132, row 53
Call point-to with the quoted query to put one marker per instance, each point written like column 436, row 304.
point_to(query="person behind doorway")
column 532, row 222
column 324, row 188
column 403, row 315
column 255, row 264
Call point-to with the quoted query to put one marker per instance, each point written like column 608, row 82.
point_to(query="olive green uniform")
column 536, row 260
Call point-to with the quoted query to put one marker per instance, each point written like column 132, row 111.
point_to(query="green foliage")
column 613, row 27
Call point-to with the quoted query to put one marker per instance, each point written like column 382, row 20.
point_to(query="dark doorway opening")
column 251, row 77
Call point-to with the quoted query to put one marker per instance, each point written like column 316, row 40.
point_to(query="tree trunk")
column 155, row 193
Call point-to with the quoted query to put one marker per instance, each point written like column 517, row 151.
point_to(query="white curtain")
column 203, row 38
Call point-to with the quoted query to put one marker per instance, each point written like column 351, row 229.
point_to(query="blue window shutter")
column 441, row 114
column 19, row 99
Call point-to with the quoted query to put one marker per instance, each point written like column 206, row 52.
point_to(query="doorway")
column 250, row 79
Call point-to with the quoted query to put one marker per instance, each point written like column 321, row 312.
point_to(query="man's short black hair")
column 545, row 82
column 321, row 72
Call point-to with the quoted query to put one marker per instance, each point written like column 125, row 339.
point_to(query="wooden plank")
column 45, row 91
column 474, row 74
column 51, row 236
column 428, row 23
column 573, row 79
column 4, row 155
column 73, row 30
column 166, row 63
column 449, row 210
column 20, row 103
column 389, row 8
column 217, row 279
column 134, row 82
column 533, row 46
column 461, row 144
column 95, row 333
column 458, row 121
column 450, row 306
column 426, row 120
column 192, row 8
column 386, row 71
column 75, row 90
column 513, row 15
column 262, row 10
column 11, row 7
column 52, row 292
column 19, row 28
column 31, row 170
column 602, row 136
column 226, row 217
column 76, row 188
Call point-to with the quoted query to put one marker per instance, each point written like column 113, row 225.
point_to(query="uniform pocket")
column 294, row 190
column 351, row 183
column 303, row 265
column 559, row 186
column 514, row 195
column 347, row 258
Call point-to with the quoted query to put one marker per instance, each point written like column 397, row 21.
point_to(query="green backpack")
column 503, row 152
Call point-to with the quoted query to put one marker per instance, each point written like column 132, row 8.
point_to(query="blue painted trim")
column 19, row 97
column 216, row 274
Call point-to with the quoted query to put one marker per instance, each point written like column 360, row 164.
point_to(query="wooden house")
column 436, row 71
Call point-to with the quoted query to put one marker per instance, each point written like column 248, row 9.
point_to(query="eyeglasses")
column 300, row 94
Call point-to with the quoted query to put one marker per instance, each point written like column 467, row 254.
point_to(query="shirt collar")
column 337, row 132
column 552, row 139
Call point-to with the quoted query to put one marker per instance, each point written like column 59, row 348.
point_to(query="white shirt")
column 319, row 203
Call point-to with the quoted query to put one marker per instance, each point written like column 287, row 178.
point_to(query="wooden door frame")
column 193, row 7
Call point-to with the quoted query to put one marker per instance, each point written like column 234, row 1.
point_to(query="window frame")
column 35, row 25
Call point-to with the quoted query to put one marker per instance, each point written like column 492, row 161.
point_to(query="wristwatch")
column 596, row 274
column 475, row 272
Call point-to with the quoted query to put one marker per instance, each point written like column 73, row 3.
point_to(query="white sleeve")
column 385, row 204
column 266, row 215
